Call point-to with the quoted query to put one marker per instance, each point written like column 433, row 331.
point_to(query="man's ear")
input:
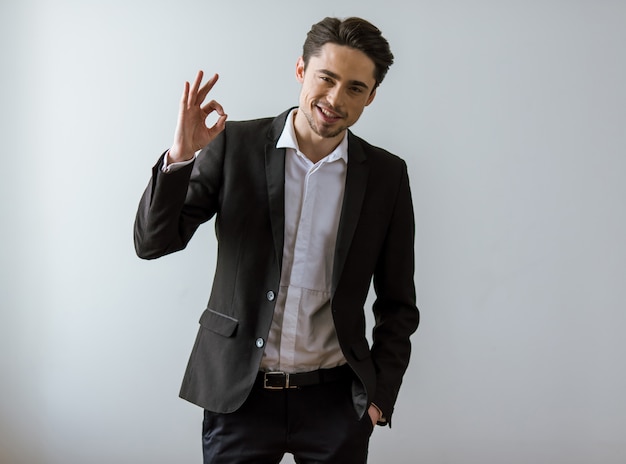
column 370, row 99
column 300, row 70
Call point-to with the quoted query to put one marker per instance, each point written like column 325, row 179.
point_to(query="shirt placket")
column 298, row 283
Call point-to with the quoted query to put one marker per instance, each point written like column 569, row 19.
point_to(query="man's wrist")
column 175, row 156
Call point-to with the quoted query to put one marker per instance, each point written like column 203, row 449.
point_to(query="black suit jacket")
column 239, row 179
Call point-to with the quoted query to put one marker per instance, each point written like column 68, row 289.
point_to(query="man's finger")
column 185, row 96
column 206, row 88
column 193, row 94
column 213, row 106
column 219, row 125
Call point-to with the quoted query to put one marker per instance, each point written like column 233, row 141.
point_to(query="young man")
column 307, row 214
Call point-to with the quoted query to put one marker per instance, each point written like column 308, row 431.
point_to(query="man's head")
column 343, row 63
column 352, row 32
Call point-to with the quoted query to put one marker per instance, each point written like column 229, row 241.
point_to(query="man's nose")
column 335, row 96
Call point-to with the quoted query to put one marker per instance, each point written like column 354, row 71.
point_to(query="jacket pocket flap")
column 361, row 350
column 218, row 323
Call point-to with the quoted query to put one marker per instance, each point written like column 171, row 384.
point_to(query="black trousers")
column 317, row 424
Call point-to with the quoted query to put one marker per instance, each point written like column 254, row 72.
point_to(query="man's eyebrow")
column 336, row 76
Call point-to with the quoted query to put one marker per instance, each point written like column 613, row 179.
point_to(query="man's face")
column 336, row 86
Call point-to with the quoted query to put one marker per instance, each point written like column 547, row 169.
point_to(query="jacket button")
column 270, row 295
column 259, row 342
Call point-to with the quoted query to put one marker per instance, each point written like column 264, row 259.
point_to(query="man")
column 306, row 215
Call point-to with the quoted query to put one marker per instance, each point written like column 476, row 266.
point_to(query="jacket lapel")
column 356, row 183
column 275, row 175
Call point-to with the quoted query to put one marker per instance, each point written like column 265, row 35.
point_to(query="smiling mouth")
column 328, row 115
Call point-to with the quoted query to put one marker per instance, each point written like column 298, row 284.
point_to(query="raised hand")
column 192, row 132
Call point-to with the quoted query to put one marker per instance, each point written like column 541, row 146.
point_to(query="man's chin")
column 328, row 131
column 322, row 129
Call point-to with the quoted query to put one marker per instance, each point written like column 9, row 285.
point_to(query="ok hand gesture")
column 192, row 132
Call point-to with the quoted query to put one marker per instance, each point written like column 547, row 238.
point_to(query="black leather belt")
column 280, row 380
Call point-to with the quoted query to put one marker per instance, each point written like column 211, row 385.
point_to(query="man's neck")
column 313, row 146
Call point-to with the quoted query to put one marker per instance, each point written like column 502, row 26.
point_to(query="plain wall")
column 512, row 118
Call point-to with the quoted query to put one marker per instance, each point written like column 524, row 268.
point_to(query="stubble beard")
column 324, row 134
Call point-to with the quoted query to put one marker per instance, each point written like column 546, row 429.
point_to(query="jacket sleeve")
column 175, row 203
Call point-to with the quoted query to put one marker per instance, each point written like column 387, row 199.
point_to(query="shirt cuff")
column 171, row 167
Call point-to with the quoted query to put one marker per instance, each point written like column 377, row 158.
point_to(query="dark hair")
column 352, row 32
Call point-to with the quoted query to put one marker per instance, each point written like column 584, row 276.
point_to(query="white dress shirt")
column 302, row 335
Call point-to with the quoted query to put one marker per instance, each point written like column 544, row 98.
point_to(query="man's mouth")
column 327, row 115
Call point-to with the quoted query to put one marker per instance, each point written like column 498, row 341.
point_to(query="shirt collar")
column 288, row 139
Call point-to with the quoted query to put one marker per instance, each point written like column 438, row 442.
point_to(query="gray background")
column 511, row 116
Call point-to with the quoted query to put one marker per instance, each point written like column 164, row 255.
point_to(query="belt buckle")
column 277, row 374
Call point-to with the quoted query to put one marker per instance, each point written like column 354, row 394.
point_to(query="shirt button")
column 259, row 342
column 270, row 295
